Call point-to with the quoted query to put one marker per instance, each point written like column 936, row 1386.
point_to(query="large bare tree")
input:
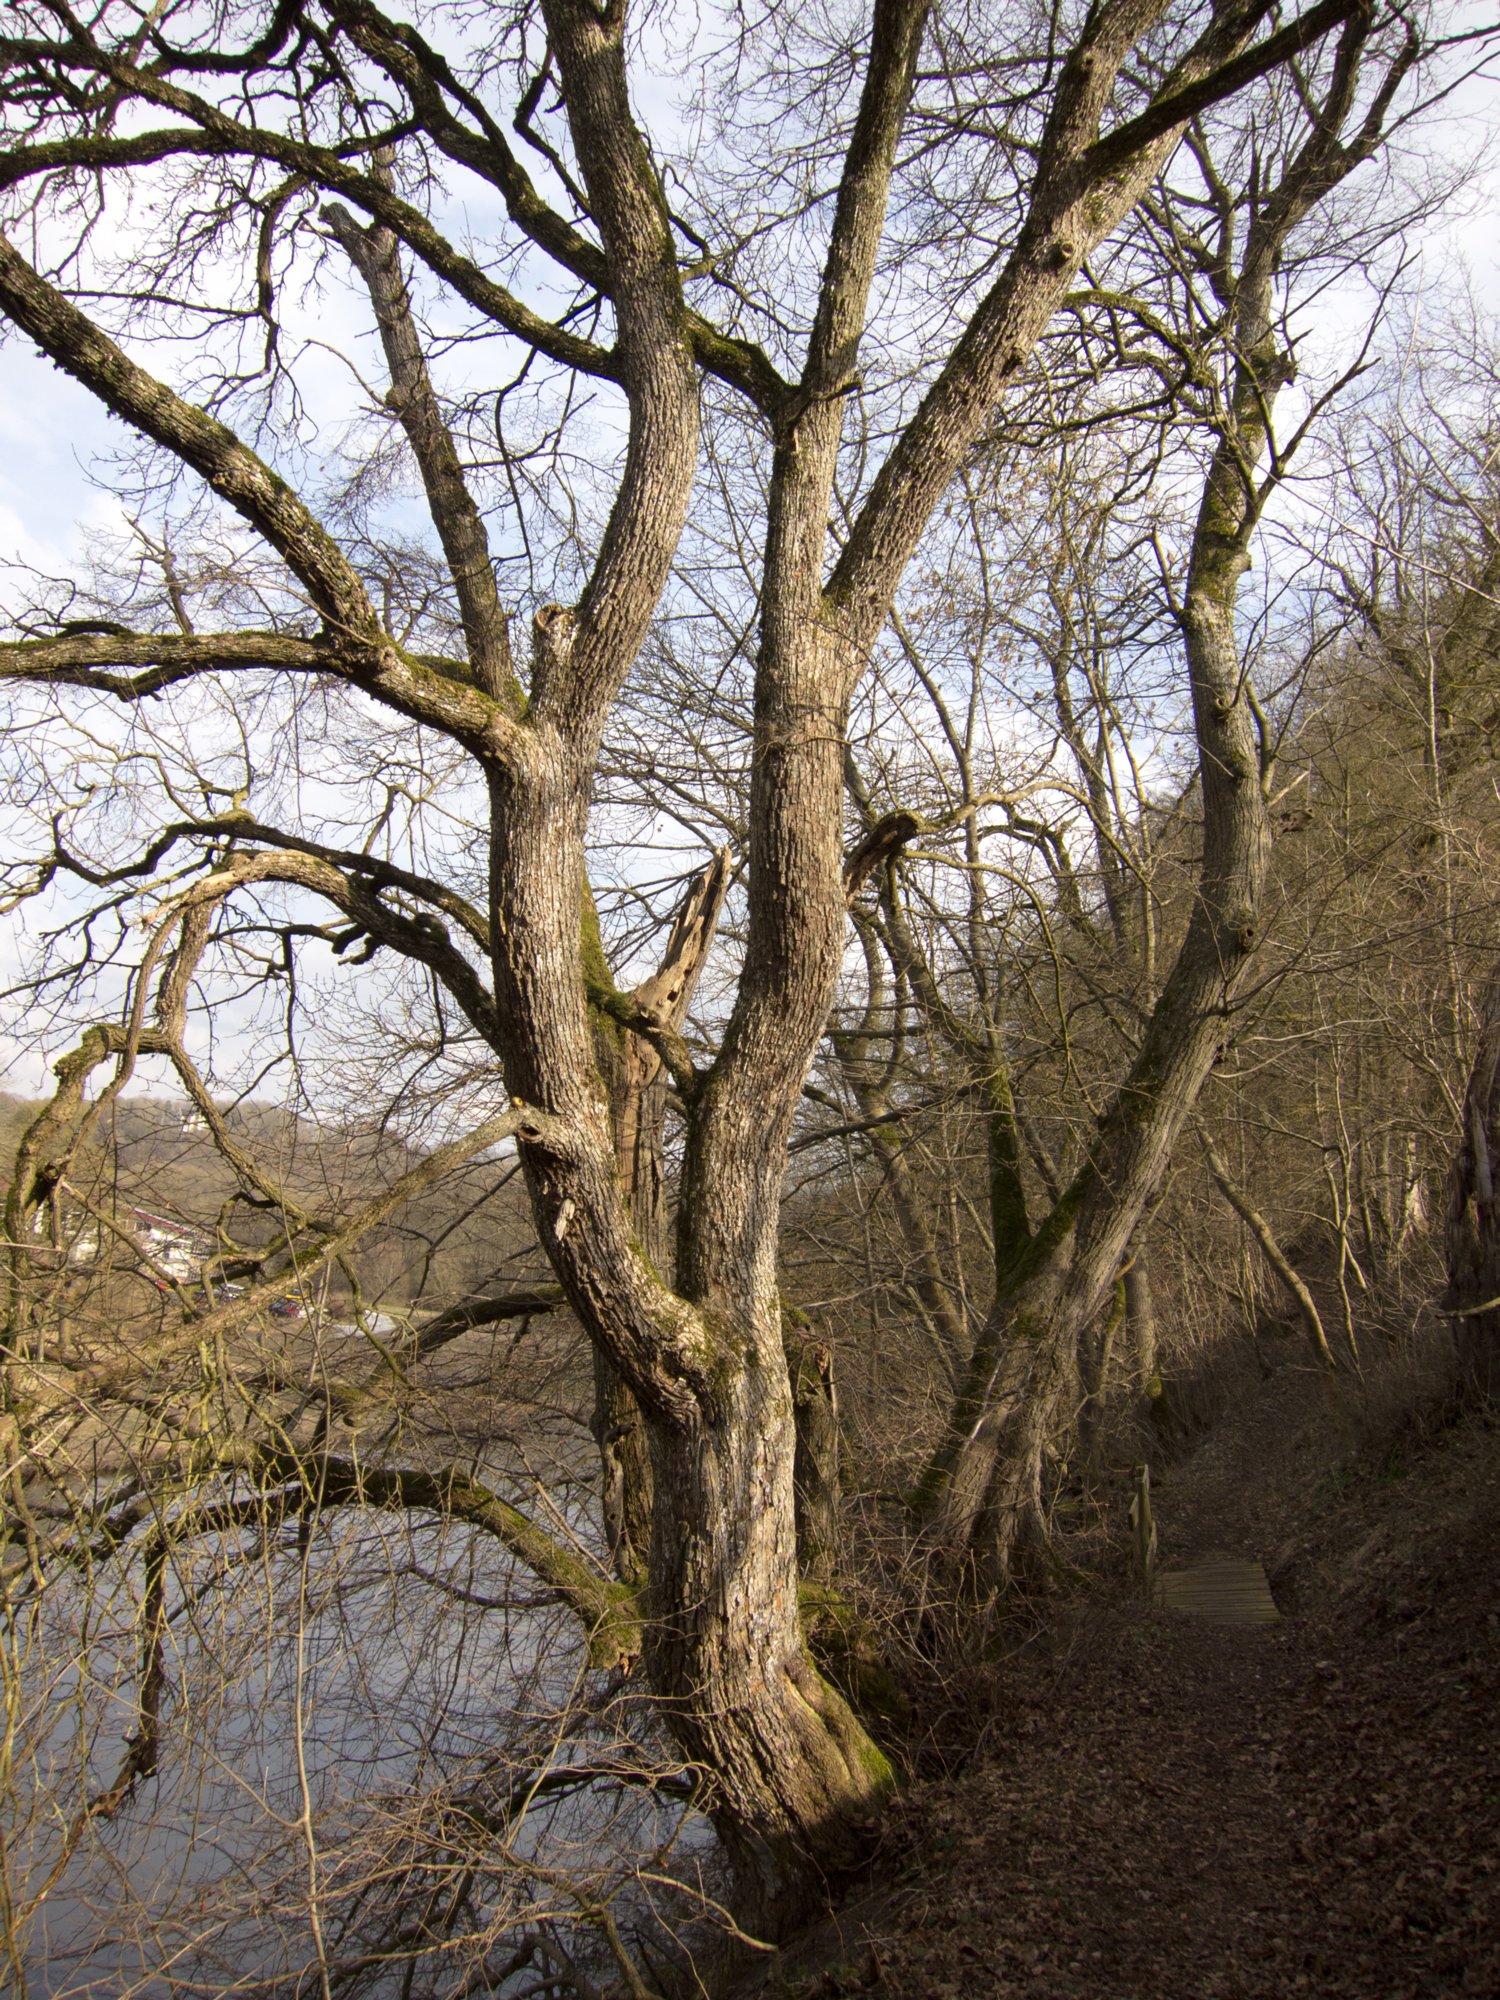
column 905, row 172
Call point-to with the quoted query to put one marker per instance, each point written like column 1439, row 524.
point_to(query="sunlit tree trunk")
column 635, row 1083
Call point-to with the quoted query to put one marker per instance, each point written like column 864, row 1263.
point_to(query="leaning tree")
column 844, row 244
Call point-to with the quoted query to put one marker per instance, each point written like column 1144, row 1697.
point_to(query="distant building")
column 174, row 1247
column 82, row 1246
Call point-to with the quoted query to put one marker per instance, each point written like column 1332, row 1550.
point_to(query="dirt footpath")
column 1171, row 1810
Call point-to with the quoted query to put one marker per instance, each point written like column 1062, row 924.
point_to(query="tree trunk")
column 1095, row 1356
column 816, row 1468
column 1140, row 1316
column 625, row 1472
column 1271, row 1250
column 636, row 1087
column 1473, row 1227
column 798, row 1785
column 992, row 1515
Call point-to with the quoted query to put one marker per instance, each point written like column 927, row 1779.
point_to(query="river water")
column 345, row 1712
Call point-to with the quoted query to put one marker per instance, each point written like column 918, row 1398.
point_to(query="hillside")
column 1164, row 1809
column 154, row 1153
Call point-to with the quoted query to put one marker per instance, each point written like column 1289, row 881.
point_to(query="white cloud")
column 50, row 431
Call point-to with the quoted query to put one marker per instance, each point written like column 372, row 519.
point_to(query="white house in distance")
column 176, row 1249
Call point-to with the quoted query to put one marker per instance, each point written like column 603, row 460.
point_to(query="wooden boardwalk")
column 1223, row 1590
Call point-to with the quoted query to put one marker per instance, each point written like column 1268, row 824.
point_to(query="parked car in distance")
column 211, row 1294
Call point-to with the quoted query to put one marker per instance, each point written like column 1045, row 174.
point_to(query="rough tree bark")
column 797, row 1783
column 636, row 1085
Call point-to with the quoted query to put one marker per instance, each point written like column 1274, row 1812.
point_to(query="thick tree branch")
column 420, row 688
column 1077, row 200
column 864, row 192
column 1181, row 101
column 198, row 440
column 414, row 402
column 418, row 937
column 609, row 1612
column 220, row 137
column 574, row 684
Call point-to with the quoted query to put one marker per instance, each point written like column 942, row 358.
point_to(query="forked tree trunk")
column 797, row 1783
column 1473, row 1227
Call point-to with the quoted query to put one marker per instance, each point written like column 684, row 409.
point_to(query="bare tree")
column 986, row 1475
column 255, row 137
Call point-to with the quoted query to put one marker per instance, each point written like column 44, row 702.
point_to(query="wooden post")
column 1142, row 1529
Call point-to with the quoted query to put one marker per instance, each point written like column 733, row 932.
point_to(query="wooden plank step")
column 1226, row 1590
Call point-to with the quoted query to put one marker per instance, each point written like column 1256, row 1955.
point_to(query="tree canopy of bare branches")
column 472, row 381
